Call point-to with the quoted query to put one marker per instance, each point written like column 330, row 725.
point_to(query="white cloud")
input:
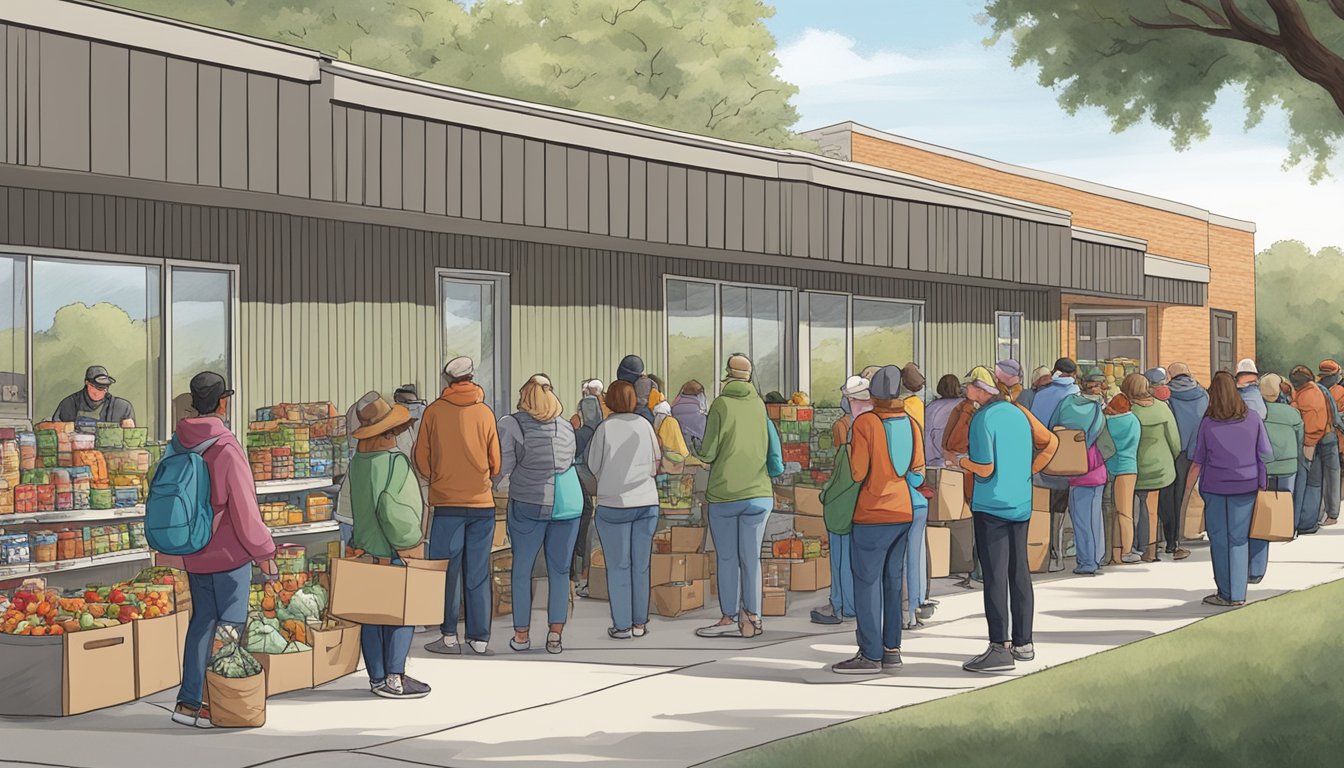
column 823, row 58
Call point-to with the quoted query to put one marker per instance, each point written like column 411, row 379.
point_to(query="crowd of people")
column 431, row 471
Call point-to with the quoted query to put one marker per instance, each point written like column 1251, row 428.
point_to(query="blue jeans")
column 879, row 567
column 916, row 564
column 738, row 528
column 463, row 536
column 1321, row 499
column 842, row 574
column 216, row 598
column 529, row 536
column 1260, row 549
column 385, row 650
column 1089, row 532
column 626, row 534
column 1228, row 521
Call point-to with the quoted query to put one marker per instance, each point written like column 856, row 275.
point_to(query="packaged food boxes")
column 15, row 549
column 797, row 453
column 369, row 593
column 681, row 539
column 290, row 558
column 110, row 437
column 787, row 547
column 807, row 501
column 318, row 507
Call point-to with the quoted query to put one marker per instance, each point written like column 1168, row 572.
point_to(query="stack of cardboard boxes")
column 679, row 572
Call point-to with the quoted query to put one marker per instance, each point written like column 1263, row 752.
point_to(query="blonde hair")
column 538, row 401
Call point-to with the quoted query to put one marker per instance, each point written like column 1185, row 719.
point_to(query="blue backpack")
column 179, row 519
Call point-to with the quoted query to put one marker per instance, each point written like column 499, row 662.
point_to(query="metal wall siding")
column 618, row 195
column 733, row 194
column 576, row 194
column 716, row 209
column 64, row 107
column 436, row 159
column 697, row 208
column 471, row 173
column 414, row 164
column 389, row 153
column 557, row 187
column 294, row 136
column 599, row 199
column 676, row 205
column 1167, row 290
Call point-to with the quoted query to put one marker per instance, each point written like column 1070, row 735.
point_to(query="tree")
column 1168, row 60
column 700, row 66
column 1298, row 317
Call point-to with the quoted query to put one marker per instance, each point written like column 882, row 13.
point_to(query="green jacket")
column 840, row 496
column 1286, row 434
column 740, row 445
column 385, row 503
column 1159, row 444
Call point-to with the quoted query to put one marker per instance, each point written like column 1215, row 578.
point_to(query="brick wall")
column 1174, row 333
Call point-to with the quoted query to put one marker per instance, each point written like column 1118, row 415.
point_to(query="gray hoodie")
column 624, row 456
column 531, row 454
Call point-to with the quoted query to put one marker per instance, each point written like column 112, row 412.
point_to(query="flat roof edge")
column 1109, row 238
column 1175, row 269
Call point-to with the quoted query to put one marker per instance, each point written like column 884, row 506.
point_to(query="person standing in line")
column 1248, row 386
column 937, row 416
column 631, row 370
column 624, row 457
column 590, row 418
column 458, row 451
column 1062, row 384
column 591, row 388
column 1040, row 379
column 1188, row 403
column 1008, row 374
column 1287, row 436
column 220, row 574
column 1123, row 467
column 537, row 448
column 388, row 515
column 1158, row 383
column 670, row 436
column 1159, row 444
column 838, row 500
column 1000, row 461
column 1331, row 380
column 1320, row 449
column 887, row 460
column 743, row 451
column 1230, row 461
column 1083, row 412
column 912, row 384
column 691, row 409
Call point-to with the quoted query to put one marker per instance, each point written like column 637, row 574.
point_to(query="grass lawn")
column 1262, row 685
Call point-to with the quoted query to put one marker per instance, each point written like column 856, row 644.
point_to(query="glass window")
column 97, row 314
column 469, row 318
column 202, row 311
column 690, row 334
column 1113, row 343
column 885, row 333
column 1008, row 333
column 827, row 318
column 13, row 339
column 752, row 323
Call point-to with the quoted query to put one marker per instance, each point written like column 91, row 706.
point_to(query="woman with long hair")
column 1159, row 444
column 545, row 502
column 1231, row 452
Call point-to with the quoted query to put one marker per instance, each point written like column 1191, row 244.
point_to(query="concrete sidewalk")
column 670, row 699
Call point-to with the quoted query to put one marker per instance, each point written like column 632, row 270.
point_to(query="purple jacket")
column 1232, row 455
column 241, row 536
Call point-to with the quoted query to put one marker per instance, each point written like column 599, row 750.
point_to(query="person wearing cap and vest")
column 1320, row 448
column 458, row 451
column 388, row 513
column 838, row 499
column 743, row 451
column 1248, row 386
column 95, row 402
column 1287, row 436
column 1331, row 380
column 1000, row 461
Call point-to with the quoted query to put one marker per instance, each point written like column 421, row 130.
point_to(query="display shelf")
column 61, row 566
column 277, row 487
column 303, row 529
column 74, row 516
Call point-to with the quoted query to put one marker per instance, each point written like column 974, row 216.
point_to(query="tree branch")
column 1214, row 16
column 1337, row 6
column 618, row 13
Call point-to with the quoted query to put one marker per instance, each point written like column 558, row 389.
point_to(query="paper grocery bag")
column 236, row 703
column 1192, row 516
column 1274, row 518
column 949, row 504
column 1070, row 459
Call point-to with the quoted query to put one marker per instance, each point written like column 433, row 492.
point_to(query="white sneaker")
column 480, row 647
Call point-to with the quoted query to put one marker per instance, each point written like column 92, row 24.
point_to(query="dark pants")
column 877, row 553
column 1059, row 509
column 463, row 536
column 1001, row 546
column 1321, row 499
column 578, row 572
column 1169, row 504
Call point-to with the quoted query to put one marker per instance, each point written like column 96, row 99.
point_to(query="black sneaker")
column 995, row 659
column 1025, row 652
column 857, row 666
column 402, row 687
column 891, row 658
column 825, row 615
column 926, row 610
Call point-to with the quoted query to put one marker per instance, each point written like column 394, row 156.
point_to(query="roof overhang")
column 1175, row 269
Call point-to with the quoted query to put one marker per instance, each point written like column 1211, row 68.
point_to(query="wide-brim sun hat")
column 379, row 417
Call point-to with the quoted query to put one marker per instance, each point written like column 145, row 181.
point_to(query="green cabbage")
column 307, row 603
column 233, row 661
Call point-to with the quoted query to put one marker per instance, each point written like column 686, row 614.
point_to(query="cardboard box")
column 807, row 501
column 597, row 582
column 368, row 593
column 774, row 601
column 158, row 654
column 501, row 540
column 336, row 650
column 811, row 527
column 687, row 539
column 811, row 575
column 1040, row 499
column 67, row 674
column 949, row 499
column 596, row 558
column 678, row 568
column 286, row 672
column 1038, row 540
column 672, row 600
column 939, row 543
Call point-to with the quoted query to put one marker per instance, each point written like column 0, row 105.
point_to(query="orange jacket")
column 885, row 495
column 840, row 431
column 957, row 434
column 458, row 448
column 1310, row 402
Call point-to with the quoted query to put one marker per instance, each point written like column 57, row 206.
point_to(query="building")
column 1210, row 328
column 173, row 198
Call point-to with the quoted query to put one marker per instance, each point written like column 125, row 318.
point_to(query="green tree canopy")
column 1167, row 60
column 1299, row 319
column 701, row 66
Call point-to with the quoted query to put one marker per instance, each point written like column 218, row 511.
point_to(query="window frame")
column 1093, row 313
column 499, row 400
column 1021, row 333
column 789, row 323
column 805, row 331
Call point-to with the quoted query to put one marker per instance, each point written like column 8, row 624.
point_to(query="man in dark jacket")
column 95, row 402
column 1188, row 401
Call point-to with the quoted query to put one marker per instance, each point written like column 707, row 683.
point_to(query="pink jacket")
column 241, row 536
column 1096, row 472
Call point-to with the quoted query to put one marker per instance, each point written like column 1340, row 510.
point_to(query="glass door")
column 473, row 311
column 200, row 333
column 1224, row 327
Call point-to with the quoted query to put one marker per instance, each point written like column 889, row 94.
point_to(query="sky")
column 919, row 69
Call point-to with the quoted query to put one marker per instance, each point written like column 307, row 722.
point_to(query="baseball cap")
column 209, row 387
column 886, row 383
column 856, row 388
column 1010, row 369
column 1065, row 365
column 739, row 368
column 97, row 374
column 459, row 367
column 1329, row 367
column 1156, row 376
column 981, row 377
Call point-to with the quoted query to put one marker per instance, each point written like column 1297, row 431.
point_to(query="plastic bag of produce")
column 262, row 637
column 235, row 685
